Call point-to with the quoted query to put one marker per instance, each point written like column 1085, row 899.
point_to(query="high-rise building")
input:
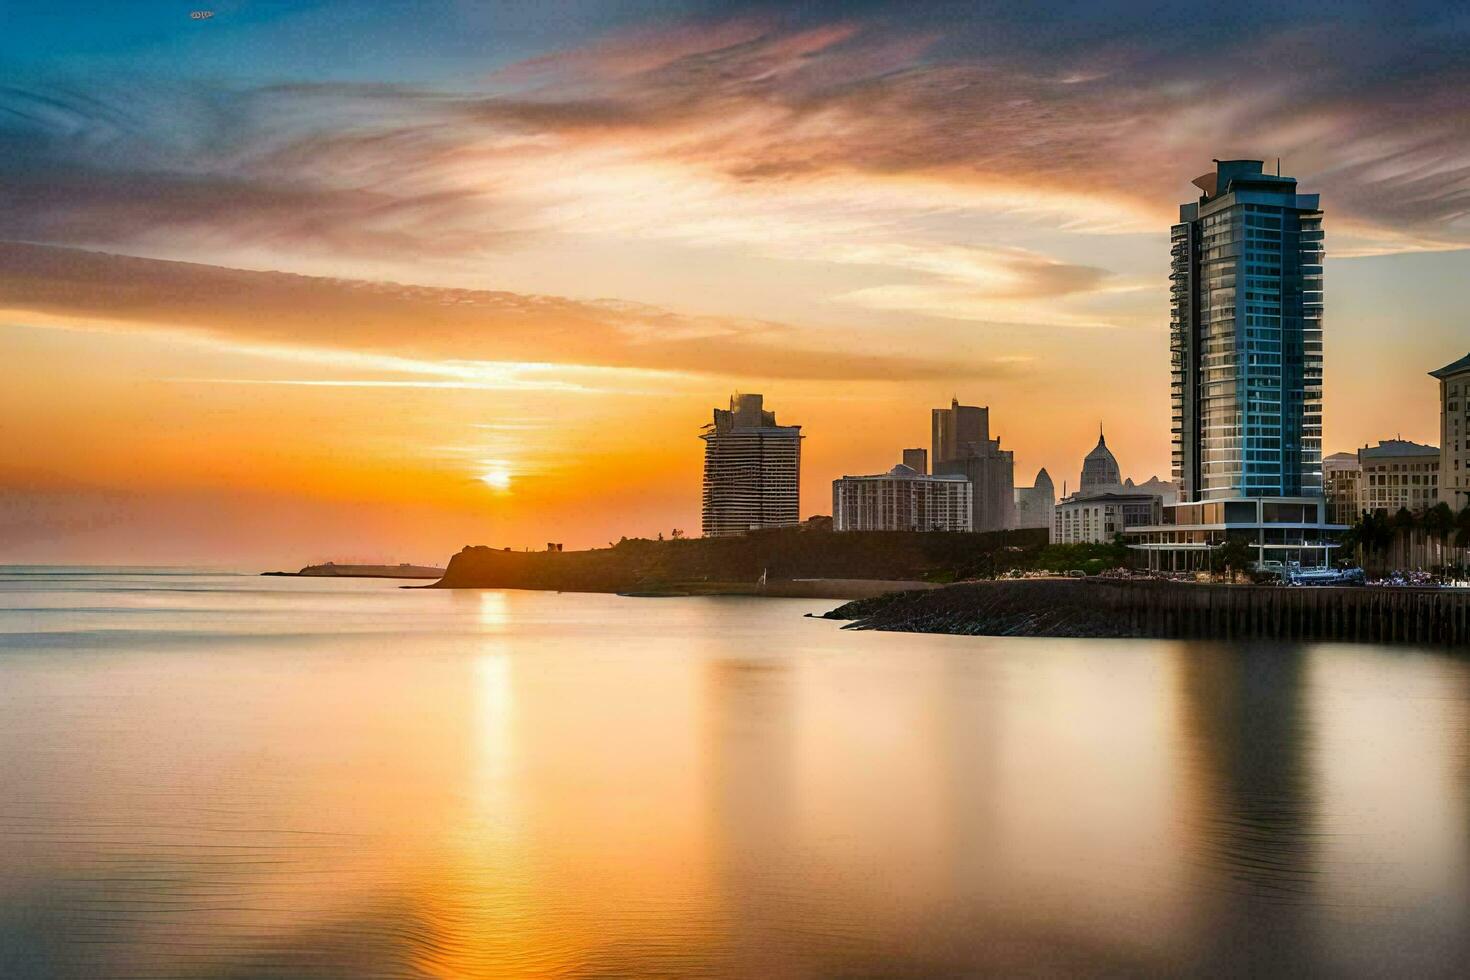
column 1246, row 337
column 959, row 431
column 916, row 460
column 902, row 499
column 1245, row 340
column 752, row 470
column 1454, row 432
column 963, row 447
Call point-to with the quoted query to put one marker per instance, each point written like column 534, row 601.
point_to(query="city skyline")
column 688, row 488
column 263, row 302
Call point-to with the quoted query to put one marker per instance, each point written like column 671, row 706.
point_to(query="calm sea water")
column 220, row 775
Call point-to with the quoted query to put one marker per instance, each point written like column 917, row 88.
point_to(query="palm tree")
column 1350, row 542
column 1235, row 555
column 1362, row 537
column 1376, row 533
column 1404, row 523
column 1462, row 532
column 1439, row 523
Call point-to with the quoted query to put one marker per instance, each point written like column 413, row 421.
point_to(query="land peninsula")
column 795, row 561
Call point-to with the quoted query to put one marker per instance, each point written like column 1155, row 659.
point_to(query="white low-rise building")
column 1398, row 473
column 1099, row 517
column 902, row 499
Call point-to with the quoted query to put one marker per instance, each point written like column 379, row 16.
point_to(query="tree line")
column 1377, row 534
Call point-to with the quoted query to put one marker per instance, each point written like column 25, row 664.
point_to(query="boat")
column 1324, row 576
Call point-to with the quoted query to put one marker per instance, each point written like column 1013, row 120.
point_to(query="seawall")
column 1112, row 608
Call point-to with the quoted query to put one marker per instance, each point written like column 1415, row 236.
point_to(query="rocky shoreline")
column 1002, row 608
column 1123, row 608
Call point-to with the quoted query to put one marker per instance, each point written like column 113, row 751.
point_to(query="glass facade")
column 1245, row 344
column 1246, row 338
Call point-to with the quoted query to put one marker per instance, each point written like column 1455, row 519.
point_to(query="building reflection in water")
column 749, row 738
column 1250, row 801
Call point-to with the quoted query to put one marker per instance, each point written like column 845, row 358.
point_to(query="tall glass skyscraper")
column 1246, row 337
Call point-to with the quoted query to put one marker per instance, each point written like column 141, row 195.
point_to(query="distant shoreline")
column 803, row 588
column 333, row 570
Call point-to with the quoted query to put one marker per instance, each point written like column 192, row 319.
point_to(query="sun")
column 496, row 479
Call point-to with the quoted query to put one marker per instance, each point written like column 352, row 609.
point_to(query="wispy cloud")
column 468, row 337
column 852, row 140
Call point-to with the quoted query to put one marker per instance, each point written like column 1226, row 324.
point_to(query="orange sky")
column 257, row 324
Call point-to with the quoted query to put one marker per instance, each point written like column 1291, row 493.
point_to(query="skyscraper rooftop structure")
column 752, row 470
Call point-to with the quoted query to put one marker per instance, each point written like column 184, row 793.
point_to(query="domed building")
column 1105, row 504
column 1100, row 467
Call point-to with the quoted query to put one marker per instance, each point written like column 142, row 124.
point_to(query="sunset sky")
column 310, row 280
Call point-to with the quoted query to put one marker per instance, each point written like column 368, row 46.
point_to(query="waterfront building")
column 1246, row 337
column 1246, row 353
column 752, row 470
column 1089, row 518
column 1341, row 485
column 962, row 446
column 903, row 499
column 916, row 460
column 1398, row 473
column 1034, row 503
column 1454, row 432
column 1100, row 467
